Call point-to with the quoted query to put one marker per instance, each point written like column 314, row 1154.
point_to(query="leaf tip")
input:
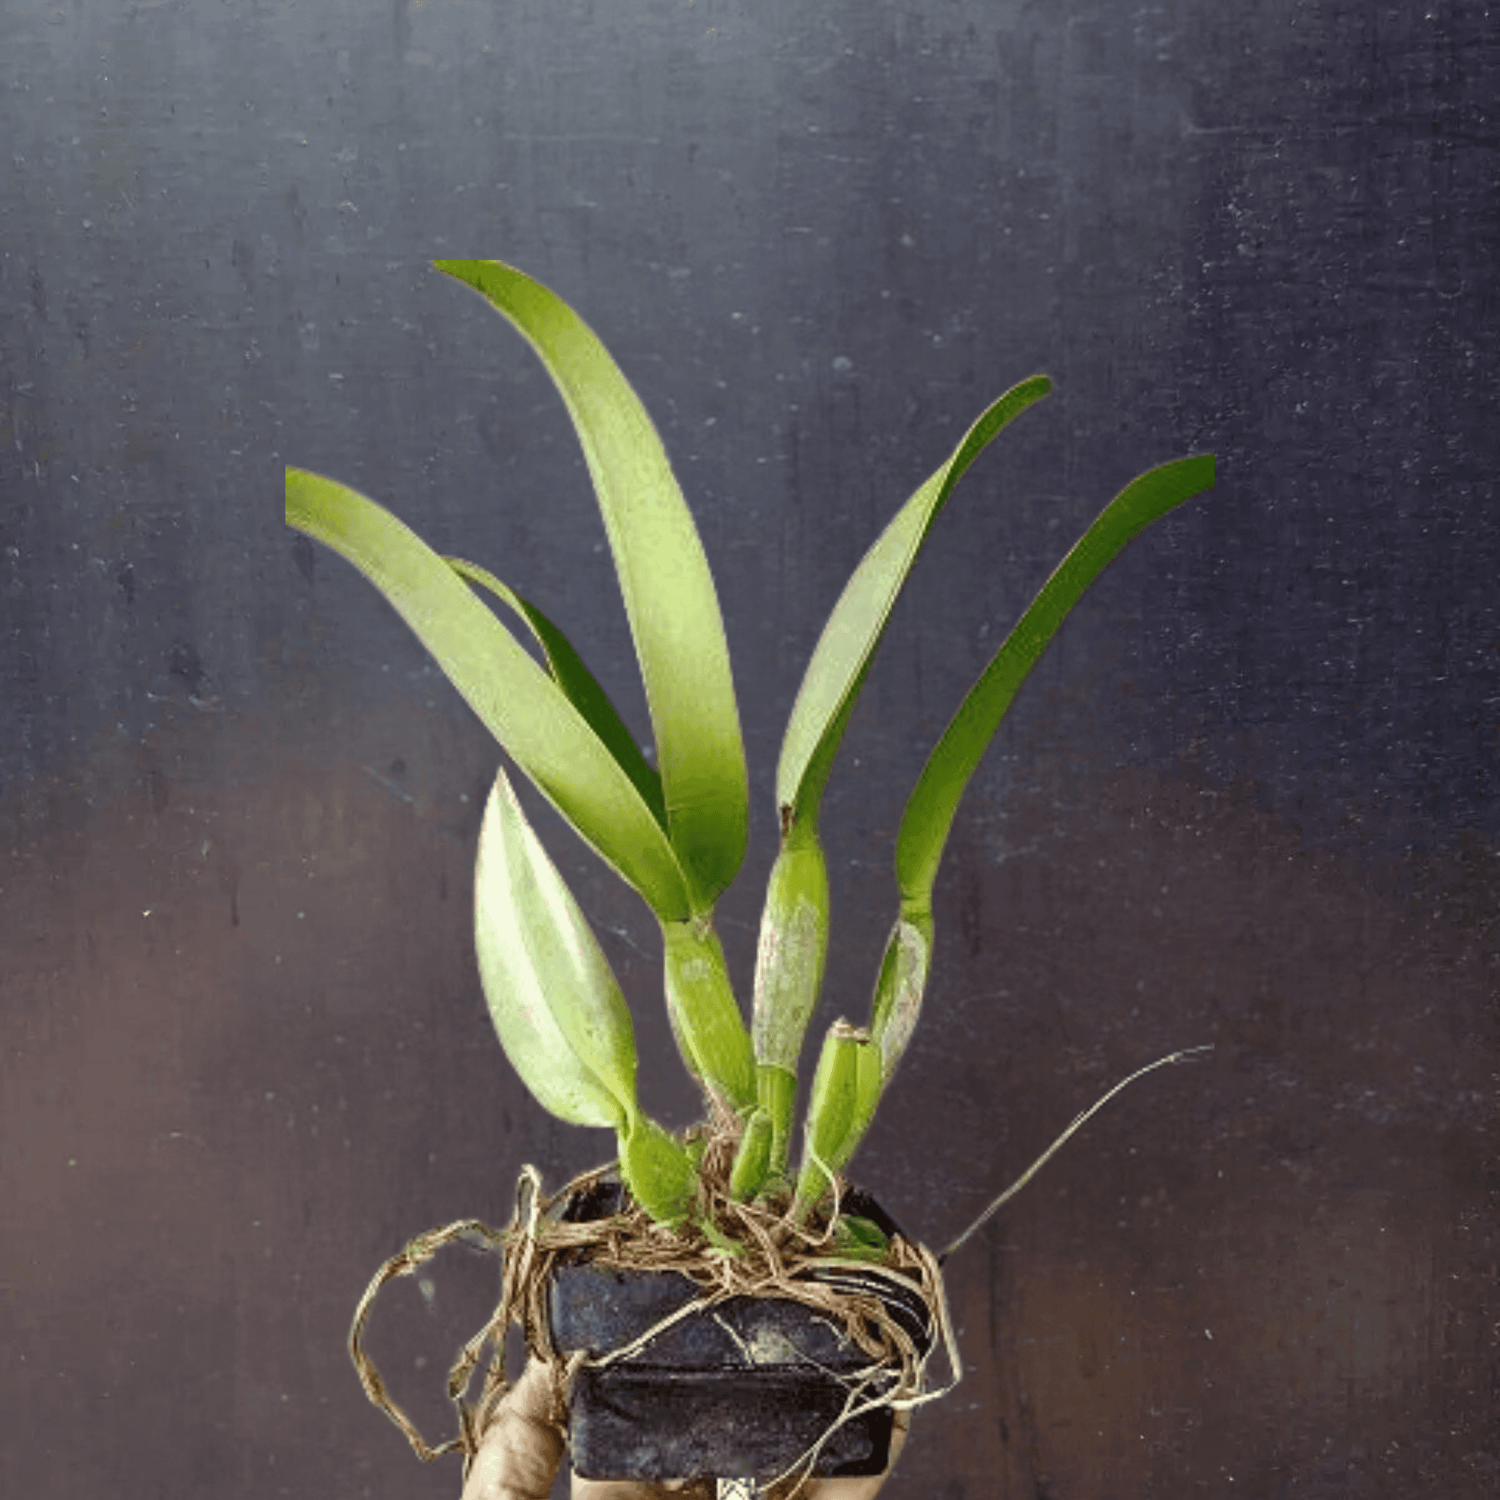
column 294, row 484
column 469, row 272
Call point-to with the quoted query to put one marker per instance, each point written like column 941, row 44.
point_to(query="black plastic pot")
column 742, row 1389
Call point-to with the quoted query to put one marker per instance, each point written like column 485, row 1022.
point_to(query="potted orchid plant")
column 744, row 1221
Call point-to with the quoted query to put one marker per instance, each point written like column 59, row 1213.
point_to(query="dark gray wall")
column 1247, row 799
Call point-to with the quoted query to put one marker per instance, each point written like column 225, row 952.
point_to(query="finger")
column 865, row 1488
column 813, row 1489
column 899, row 1428
column 522, row 1447
column 638, row 1489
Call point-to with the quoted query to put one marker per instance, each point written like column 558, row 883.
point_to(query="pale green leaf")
column 515, row 698
column 664, row 578
column 843, row 653
column 555, row 1003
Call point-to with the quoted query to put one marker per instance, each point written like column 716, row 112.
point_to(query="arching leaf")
column 664, row 578
column 582, row 688
column 517, row 701
column 844, row 650
column 930, row 809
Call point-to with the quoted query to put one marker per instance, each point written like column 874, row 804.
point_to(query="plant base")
column 748, row 1386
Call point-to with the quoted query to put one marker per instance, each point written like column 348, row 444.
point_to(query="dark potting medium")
column 742, row 1389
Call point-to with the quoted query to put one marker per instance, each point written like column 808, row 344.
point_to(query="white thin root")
column 1057, row 1145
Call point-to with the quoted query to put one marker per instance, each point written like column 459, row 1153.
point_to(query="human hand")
column 522, row 1449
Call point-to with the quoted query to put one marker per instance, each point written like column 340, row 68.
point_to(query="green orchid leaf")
column 659, row 1171
column 865, row 1232
column 752, row 1158
column 931, row 807
column 847, row 1246
column 554, row 1000
column 582, row 688
column 776, row 1092
column 846, row 1088
column 705, row 1017
column 515, row 698
column 844, row 650
column 664, row 578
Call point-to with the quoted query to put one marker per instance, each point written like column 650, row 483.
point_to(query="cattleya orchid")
column 676, row 830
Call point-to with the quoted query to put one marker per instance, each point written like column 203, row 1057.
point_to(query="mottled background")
column 1247, row 799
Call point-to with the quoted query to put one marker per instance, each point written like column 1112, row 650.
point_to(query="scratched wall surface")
column 1247, row 799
